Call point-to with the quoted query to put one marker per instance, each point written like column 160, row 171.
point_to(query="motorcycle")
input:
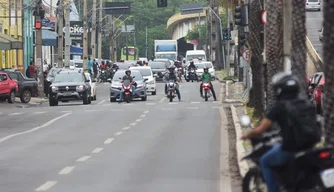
column 179, row 74
column 192, row 75
column 207, row 91
column 127, row 91
column 310, row 170
column 171, row 91
column 103, row 75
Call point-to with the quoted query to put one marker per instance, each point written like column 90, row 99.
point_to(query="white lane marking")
column 101, row 102
column 215, row 107
column 97, row 150
column 146, row 111
column 119, row 133
column 192, row 107
column 195, row 102
column 109, row 140
column 84, row 158
column 15, row 114
column 126, row 128
column 173, row 103
column 46, row 186
column 116, row 110
column 106, row 83
column 142, row 116
column 65, row 111
column 133, row 124
column 162, row 100
column 166, row 109
column 128, row 104
column 91, row 110
column 34, row 129
column 66, row 170
column 138, row 120
column 40, row 112
column 106, row 105
column 150, row 103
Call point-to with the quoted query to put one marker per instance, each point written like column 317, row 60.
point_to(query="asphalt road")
column 314, row 21
column 142, row 146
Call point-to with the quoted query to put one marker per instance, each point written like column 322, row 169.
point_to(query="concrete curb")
column 220, row 80
column 227, row 93
column 241, row 152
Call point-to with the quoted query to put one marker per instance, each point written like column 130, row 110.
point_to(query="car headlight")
column 80, row 88
column 54, row 89
column 150, row 82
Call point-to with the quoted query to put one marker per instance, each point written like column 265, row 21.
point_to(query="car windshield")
column 53, row 72
column 157, row 65
column 166, row 56
column 314, row 1
column 190, row 57
column 203, row 65
column 145, row 71
column 125, row 65
column 120, row 74
column 68, row 77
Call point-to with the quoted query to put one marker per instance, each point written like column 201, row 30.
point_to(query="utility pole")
column 227, row 56
column 287, row 26
column 39, row 63
column 93, row 34
column 85, row 40
column 67, row 35
column 60, row 20
column 146, row 46
column 126, row 42
column 134, row 42
column 100, row 33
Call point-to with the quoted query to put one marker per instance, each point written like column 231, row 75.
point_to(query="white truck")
column 165, row 49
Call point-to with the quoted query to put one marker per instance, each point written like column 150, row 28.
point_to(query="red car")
column 317, row 94
column 8, row 88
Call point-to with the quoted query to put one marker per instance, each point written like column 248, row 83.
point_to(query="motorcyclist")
column 172, row 76
column 192, row 66
column 127, row 76
column 206, row 77
column 114, row 66
column 103, row 65
column 287, row 90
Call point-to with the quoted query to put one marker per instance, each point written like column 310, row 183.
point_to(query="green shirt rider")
column 206, row 77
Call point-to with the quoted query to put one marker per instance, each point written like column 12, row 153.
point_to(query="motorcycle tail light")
column 324, row 155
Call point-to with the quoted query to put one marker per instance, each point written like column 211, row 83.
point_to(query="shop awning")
column 49, row 38
column 76, row 50
column 9, row 43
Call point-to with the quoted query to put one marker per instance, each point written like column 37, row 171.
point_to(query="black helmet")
column 206, row 68
column 286, row 86
column 171, row 68
column 128, row 72
column 191, row 62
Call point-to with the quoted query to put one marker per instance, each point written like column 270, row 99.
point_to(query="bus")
column 132, row 53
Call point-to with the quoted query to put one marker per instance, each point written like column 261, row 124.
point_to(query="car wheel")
column 154, row 92
column 94, row 97
column 11, row 98
column 53, row 102
column 85, row 99
column 25, row 96
column 89, row 100
column 144, row 98
column 112, row 99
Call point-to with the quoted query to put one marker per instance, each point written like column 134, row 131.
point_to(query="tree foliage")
column 199, row 34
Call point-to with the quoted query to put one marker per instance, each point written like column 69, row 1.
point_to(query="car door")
column 16, row 77
column 4, row 84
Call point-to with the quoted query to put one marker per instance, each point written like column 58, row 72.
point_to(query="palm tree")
column 298, row 41
column 256, row 46
column 329, row 70
column 274, row 45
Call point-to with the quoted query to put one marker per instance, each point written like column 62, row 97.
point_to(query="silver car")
column 313, row 5
column 116, row 85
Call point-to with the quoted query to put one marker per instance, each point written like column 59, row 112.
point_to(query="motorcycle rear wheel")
column 127, row 98
column 170, row 96
column 253, row 181
column 206, row 95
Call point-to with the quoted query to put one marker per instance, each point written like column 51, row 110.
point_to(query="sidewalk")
column 18, row 104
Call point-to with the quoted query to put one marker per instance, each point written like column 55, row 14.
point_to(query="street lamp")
column 220, row 21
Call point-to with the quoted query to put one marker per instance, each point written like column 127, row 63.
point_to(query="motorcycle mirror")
column 245, row 120
column 133, row 76
column 93, row 81
column 120, row 78
column 145, row 79
column 87, row 81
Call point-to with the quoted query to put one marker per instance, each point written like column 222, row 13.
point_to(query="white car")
column 92, row 85
column 313, row 5
column 201, row 65
column 146, row 71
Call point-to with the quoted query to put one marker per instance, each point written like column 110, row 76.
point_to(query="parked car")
column 148, row 74
column 317, row 94
column 27, row 87
column 69, row 85
column 8, row 88
column 313, row 5
column 92, row 83
column 116, row 85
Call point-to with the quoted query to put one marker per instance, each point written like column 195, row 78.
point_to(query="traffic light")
column 38, row 9
column 38, row 24
column 241, row 15
column 162, row 3
column 227, row 35
column 242, row 39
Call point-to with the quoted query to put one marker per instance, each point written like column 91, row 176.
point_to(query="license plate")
column 67, row 94
column 327, row 177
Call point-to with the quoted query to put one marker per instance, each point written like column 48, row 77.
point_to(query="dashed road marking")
column 109, row 140
column 128, row 104
column 150, row 103
column 162, row 100
column 171, row 103
column 125, row 128
column 133, row 124
column 65, row 111
column 195, row 102
column 46, row 186
column 119, row 133
column 106, row 105
column 66, row 170
column 97, row 150
column 84, row 158
column 138, row 120
column 91, row 110
column 215, row 107
column 106, row 83
column 15, row 114
column 143, row 116
column 116, row 110
column 167, row 109
column 101, row 102
column 40, row 112
column 192, row 107
column 146, row 111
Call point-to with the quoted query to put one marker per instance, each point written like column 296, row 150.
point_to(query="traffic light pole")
column 99, row 51
column 67, row 35
column 39, row 60
column 85, row 39
column 227, row 61
column 60, row 19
